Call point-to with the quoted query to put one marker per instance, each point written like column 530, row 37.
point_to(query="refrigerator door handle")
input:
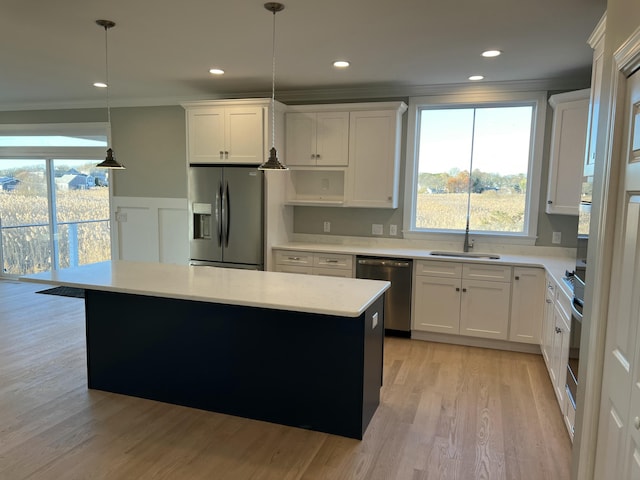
column 218, row 213
column 226, row 213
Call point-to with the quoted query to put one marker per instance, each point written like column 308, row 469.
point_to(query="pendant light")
column 110, row 160
column 273, row 163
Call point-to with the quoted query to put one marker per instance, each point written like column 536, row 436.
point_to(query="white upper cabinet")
column 596, row 41
column 568, row 141
column 317, row 138
column 374, row 158
column 225, row 131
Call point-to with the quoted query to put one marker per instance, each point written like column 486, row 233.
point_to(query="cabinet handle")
column 548, row 301
column 331, row 260
column 294, row 258
column 636, row 423
column 549, row 202
column 313, row 155
column 317, row 155
column 221, row 155
column 464, row 289
column 457, row 289
column 558, row 330
column 226, row 155
column 517, row 277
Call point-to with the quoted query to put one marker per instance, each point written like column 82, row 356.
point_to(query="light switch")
column 557, row 237
column 326, row 227
column 374, row 321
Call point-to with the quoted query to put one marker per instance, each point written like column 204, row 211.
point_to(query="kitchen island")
column 303, row 351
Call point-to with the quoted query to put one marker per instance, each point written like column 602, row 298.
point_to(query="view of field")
column 490, row 211
column 82, row 225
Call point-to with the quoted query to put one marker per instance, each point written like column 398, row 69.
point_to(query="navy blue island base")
column 307, row 370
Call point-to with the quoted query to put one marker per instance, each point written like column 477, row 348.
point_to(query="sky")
column 501, row 143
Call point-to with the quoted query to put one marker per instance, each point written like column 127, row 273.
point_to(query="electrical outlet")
column 557, row 237
column 377, row 229
column 393, row 229
column 327, row 227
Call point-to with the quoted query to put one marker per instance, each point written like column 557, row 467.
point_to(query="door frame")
column 623, row 62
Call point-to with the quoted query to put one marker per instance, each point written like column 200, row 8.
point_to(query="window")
column 54, row 202
column 475, row 161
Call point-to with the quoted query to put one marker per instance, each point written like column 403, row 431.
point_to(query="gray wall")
column 151, row 143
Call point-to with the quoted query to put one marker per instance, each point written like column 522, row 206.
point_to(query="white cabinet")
column 527, row 305
column 317, row 138
column 566, row 161
column 314, row 263
column 371, row 141
column 596, row 41
column 464, row 299
column 226, row 131
column 548, row 324
column 374, row 158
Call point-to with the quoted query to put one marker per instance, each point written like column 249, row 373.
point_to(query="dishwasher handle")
column 383, row 263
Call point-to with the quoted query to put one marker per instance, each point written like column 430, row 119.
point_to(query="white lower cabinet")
column 527, row 305
column 463, row 299
column 314, row 263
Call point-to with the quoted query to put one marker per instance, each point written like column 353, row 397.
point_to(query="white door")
column 206, row 135
column 244, row 135
column 618, row 451
column 300, row 138
column 332, row 138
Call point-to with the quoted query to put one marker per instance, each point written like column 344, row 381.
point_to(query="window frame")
column 469, row 100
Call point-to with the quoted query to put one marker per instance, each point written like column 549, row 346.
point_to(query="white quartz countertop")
column 346, row 297
column 555, row 265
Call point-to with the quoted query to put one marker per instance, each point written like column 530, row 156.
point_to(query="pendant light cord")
column 106, row 67
column 273, row 84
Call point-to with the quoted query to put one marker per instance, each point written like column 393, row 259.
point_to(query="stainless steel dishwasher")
column 397, row 300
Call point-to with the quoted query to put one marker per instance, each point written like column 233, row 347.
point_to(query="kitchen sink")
column 490, row 256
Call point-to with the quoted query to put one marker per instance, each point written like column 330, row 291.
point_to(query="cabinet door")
column 566, row 164
column 484, row 310
column 244, row 135
column 332, row 138
column 548, row 327
column 205, row 132
column 373, row 159
column 594, row 108
column 300, row 139
column 436, row 305
column 560, row 357
column 527, row 305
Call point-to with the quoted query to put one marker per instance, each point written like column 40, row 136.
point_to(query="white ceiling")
column 161, row 50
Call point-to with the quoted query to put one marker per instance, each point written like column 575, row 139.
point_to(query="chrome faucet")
column 468, row 243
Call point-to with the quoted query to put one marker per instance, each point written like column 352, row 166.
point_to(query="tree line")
column 457, row 181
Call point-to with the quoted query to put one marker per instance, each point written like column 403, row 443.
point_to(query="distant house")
column 79, row 181
column 9, row 184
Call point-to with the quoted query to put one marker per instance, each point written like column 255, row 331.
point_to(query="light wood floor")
column 447, row 412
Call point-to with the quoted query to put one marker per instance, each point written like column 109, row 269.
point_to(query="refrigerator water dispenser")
column 202, row 220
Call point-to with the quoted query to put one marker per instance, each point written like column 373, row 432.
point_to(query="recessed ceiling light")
column 476, row 77
column 216, row 71
column 341, row 64
column 100, row 85
column 491, row 53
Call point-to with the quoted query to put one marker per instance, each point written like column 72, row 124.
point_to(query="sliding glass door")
column 54, row 213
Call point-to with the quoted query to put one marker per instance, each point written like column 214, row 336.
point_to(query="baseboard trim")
column 476, row 342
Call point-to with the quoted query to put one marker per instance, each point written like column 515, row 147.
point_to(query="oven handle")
column 576, row 312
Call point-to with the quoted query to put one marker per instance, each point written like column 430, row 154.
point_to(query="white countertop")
column 346, row 297
column 555, row 265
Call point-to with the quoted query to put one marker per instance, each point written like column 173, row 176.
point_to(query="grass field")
column 490, row 211
column 27, row 249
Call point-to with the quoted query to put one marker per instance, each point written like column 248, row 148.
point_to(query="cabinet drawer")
column 289, row 257
column 439, row 269
column 332, row 272
column 333, row 261
column 293, row 269
column 494, row 273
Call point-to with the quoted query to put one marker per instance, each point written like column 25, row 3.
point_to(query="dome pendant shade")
column 110, row 162
column 273, row 163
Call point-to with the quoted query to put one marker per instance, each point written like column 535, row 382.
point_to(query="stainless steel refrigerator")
column 226, row 207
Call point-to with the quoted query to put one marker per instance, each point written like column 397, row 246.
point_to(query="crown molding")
column 390, row 92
